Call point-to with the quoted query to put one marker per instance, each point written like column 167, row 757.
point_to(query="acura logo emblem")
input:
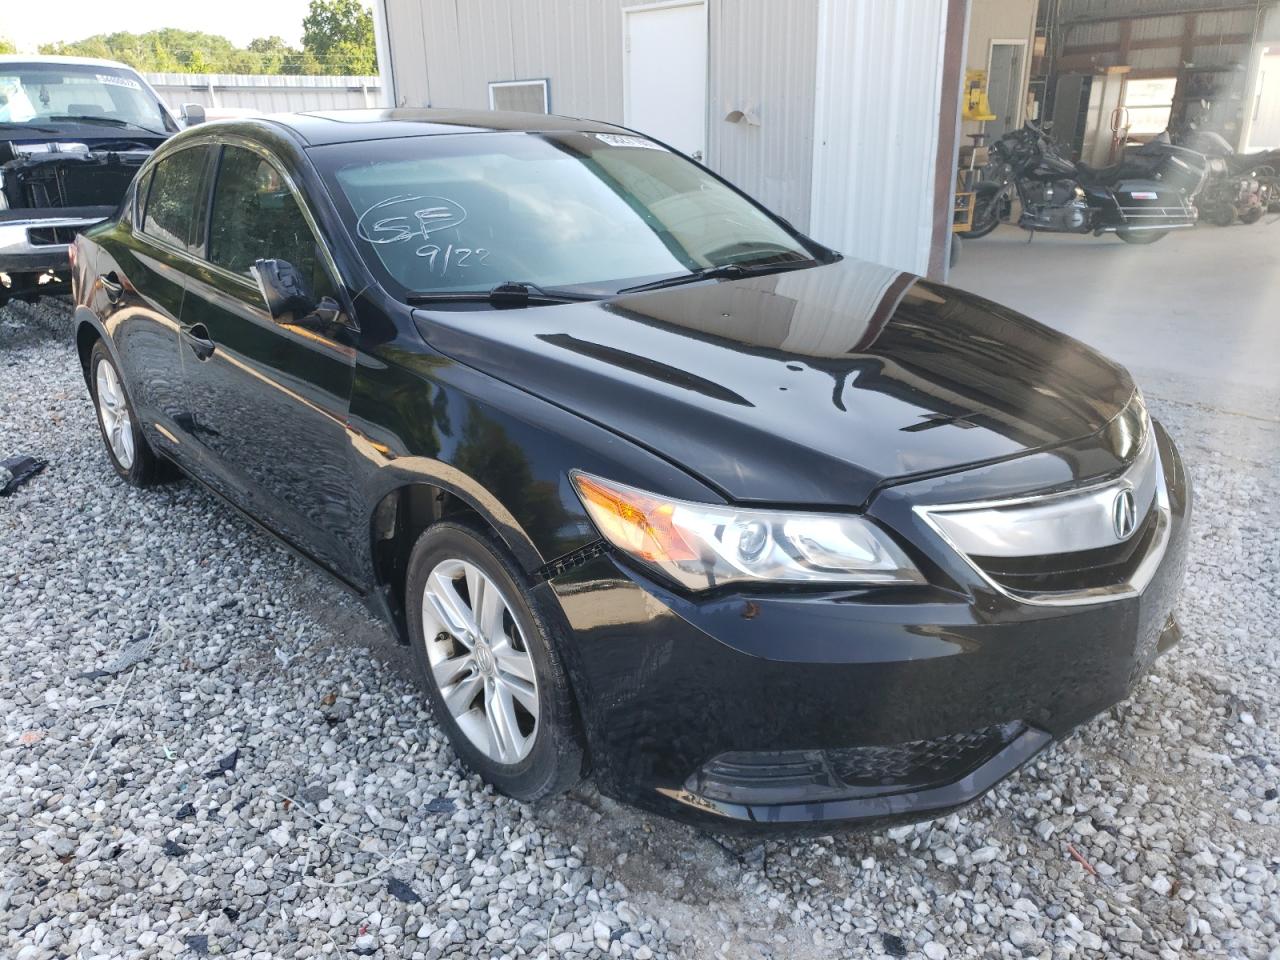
column 1124, row 514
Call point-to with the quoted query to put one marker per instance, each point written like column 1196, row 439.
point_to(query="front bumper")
column 37, row 241
column 753, row 710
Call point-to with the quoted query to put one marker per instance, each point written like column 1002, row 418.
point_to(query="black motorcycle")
column 1140, row 199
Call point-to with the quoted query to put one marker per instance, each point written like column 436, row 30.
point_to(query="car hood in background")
column 807, row 387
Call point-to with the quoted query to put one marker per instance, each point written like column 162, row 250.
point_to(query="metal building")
column 266, row 93
column 841, row 115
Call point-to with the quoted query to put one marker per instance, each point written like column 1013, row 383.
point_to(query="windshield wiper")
column 724, row 271
column 508, row 294
column 106, row 122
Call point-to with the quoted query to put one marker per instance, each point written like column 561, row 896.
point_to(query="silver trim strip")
column 1017, row 521
column 1034, row 526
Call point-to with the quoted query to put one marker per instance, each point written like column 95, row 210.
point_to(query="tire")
column 1142, row 236
column 128, row 451
column 986, row 211
column 1251, row 215
column 537, row 752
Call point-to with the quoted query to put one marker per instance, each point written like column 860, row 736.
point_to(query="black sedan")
column 653, row 485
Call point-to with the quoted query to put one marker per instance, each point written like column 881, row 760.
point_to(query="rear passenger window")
column 175, row 199
column 255, row 216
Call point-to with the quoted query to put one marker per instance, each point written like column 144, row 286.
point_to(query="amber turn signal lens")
column 638, row 524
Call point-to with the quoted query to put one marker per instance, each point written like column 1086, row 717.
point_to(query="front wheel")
column 490, row 665
column 986, row 211
column 1141, row 236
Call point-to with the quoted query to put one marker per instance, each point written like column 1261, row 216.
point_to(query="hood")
column 808, row 387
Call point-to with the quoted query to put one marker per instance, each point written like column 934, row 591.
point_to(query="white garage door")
column 666, row 74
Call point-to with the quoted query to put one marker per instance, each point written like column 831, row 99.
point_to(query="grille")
column 1082, row 570
column 1062, row 548
column 48, row 236
column 919, row 763
column 789, row 776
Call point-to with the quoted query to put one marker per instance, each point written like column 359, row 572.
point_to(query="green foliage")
column 6, row 46
column 338, row 39
column 340, row 33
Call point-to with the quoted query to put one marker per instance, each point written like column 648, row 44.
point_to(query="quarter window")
column 173, row 202
column 255, row 216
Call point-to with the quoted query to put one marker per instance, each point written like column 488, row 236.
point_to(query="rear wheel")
column 986, row 211
column 1251, row 215
column 1142, row 236
column 127, row 449
column 489, row 664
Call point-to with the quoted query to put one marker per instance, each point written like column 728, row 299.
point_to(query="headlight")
column 701, row 545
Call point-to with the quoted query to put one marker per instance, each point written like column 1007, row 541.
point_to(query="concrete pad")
column 1195, row 316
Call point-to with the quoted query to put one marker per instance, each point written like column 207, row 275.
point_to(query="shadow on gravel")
column 23, row 324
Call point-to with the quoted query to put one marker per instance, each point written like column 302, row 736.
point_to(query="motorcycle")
column 1140, row 199
column 1238, row 185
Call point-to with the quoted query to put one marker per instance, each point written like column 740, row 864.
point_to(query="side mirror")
column 192, row 113
column 288, row 298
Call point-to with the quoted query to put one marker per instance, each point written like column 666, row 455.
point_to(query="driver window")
column 255, row 216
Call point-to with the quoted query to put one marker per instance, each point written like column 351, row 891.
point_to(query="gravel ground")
column 203, row 752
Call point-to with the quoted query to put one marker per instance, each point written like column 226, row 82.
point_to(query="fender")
column 84, row 317
column 403, row 472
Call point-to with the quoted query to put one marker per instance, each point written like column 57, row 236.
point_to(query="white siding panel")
column 762, row 63
column 266, row 93
column 876, row 128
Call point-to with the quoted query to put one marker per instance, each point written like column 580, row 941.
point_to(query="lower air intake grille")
column 782, row 776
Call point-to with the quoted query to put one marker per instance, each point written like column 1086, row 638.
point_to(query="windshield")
column 44, row 95
column 593, row 210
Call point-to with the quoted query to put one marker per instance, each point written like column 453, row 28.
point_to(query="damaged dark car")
column 73, row 133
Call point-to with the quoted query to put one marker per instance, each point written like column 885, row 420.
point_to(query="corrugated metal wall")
column 266, row 93
column 761, row 61
column 445, row 53
column 1069, row 10
column 877, row 113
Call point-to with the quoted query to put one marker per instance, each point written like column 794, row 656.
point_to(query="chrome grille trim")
column 1061, row 523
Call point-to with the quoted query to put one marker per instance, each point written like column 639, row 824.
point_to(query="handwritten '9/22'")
column 405, row 219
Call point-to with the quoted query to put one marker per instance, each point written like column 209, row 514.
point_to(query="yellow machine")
column 976, row 106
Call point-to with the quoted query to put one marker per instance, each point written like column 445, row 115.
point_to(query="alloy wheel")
column 480, row 661
column 113, row 410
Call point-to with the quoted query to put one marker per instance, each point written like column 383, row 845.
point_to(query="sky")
column 28, row 24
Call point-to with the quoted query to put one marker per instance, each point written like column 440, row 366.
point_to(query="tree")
column 273, row 55
column 337, row 39
column 339, row 34
column 6, row 46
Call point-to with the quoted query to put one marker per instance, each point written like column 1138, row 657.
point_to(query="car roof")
column 347, row 126
column 72, row 61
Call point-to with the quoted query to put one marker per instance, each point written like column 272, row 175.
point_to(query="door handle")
column 197, row 337
column 111, row 286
